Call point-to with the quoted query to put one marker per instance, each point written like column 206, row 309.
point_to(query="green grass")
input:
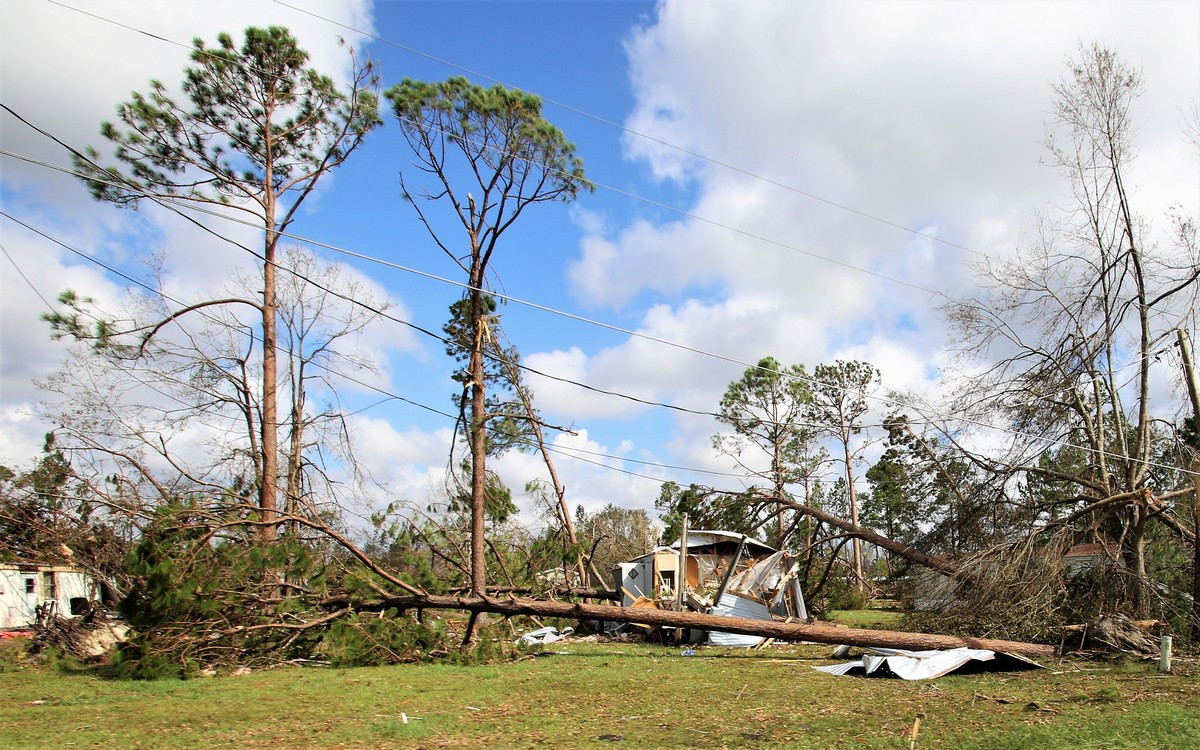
column 610, row 695
column 866, row 618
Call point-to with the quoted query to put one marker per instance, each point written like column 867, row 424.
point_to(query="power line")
column 171, row 203
column 175, row 204
column 620, row 192
column 658, row 204
column 28, row 283
column 563, row 450
column 644, row 136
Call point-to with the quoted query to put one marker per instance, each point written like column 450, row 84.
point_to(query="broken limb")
column 663, row 618
column 908, row 553
column 760, row 499
column 567, row 591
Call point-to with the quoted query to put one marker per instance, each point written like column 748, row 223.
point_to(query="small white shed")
column 26, row 586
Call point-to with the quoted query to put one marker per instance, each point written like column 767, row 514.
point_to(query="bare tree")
column 147, row 422
column 1071, row 327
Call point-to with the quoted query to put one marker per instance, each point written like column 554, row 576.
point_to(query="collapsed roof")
column 725, row 574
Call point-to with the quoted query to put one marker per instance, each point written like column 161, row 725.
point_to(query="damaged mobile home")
column 55, row 589
column 723, row 573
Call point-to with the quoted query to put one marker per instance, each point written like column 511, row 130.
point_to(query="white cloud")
column 926, row 115
column 65, row 71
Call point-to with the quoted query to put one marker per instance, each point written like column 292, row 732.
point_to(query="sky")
column 801, row 180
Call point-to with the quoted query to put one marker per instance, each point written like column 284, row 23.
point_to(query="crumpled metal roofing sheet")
column 732, row 605
column 923, row 665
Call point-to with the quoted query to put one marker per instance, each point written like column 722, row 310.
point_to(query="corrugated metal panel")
column 735, row 606
column 705, row 537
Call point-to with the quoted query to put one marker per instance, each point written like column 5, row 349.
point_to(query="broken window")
column 48, row 587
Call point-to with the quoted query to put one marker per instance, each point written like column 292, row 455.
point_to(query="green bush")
column 842, row 593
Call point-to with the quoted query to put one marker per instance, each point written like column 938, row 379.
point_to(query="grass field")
column 607, row 695
column 866, row 618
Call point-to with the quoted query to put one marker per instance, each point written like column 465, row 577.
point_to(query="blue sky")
column 924, row 115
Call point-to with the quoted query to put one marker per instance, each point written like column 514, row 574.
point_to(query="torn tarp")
column 926, row 665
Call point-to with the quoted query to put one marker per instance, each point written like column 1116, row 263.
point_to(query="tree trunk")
column 1196, row 544
column 560, row 492
column 478, row 438
column 567, row 591
column 270, row 413
column 692, row 620
column 908, row 553
column 853, row 497
column 1193, row 388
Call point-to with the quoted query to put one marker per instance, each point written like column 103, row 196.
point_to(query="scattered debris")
column 926, row 665
column 88, row 635
column 544, row 636
column 1116, row 632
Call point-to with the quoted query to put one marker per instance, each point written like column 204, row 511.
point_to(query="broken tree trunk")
column 663, row 618
column 604, row 594
column 912, row 555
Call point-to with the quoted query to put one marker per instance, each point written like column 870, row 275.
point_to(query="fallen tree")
column 756, row 498
column 693, row 620
column 569, row 591
column 916, row 556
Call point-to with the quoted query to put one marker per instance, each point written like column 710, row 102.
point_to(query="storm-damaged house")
column 724, row 573
column 27, row 587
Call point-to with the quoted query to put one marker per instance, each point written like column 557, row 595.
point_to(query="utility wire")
column 887, row 401
column 139, row 381
column 183, row 205
column 28, row 283
column 630, row 195
column 562, row 450
column 658, row 204
column 635, row 133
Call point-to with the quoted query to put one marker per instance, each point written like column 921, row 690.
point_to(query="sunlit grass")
column 607, row 695
column 865, row 618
